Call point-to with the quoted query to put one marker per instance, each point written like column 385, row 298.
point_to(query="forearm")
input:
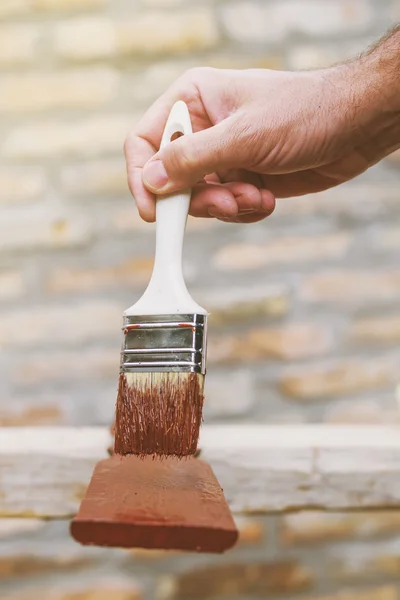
column 375, row 96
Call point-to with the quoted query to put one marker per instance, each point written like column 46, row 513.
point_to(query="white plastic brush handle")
column 167, row 292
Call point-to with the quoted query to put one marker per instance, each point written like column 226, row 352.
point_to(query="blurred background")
column 305, row 322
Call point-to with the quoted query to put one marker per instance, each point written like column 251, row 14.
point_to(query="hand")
column 258, row 135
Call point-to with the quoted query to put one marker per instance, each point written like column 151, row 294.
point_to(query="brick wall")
column 305, row 307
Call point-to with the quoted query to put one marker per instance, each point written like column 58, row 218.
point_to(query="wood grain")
column 44, row 472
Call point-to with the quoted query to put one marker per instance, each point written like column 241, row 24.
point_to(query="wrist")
column 374, row 94
column 383, row 61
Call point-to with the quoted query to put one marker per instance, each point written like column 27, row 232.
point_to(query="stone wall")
column 305, row 307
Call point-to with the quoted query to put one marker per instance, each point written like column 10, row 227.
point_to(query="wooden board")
column 167, row 504
column 44, row 472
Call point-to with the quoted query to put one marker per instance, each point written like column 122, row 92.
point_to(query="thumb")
column 183, row 162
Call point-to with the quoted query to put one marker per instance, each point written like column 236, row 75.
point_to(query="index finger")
column 141, row 144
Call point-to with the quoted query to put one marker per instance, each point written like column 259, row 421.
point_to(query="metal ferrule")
column 164, row 343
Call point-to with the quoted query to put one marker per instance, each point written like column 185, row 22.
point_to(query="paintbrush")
column 135, row 501
column 163, row 357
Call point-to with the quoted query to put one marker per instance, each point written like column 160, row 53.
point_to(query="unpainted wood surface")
column 44, row 472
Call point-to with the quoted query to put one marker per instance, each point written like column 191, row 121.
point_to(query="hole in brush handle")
column 175, row 136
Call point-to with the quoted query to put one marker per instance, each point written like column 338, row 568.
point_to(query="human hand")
column 258, row 135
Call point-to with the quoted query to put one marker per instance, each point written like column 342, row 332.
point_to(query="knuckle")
column 208, row 71
column 186, row 79
column 193, row 73
column 193, row 76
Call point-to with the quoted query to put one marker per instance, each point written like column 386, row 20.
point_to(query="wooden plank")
column 169, row 504
column 44, row 471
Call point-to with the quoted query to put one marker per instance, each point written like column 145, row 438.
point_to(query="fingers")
column 142, row 144
column 252, row 216
column 144, row 199
column 213, row 200
column 234, row 202
column 190, row 158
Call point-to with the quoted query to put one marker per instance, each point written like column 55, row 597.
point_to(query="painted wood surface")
column 169, row 504
column 44, row 472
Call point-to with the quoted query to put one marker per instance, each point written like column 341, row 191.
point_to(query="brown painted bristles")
column 158, row 413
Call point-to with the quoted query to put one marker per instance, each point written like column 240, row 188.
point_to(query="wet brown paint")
column 150, row 503
column 159, row 415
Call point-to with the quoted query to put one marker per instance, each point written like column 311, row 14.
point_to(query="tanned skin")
column 261, row 134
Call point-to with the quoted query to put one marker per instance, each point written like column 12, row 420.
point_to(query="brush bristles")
column 158, row 413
